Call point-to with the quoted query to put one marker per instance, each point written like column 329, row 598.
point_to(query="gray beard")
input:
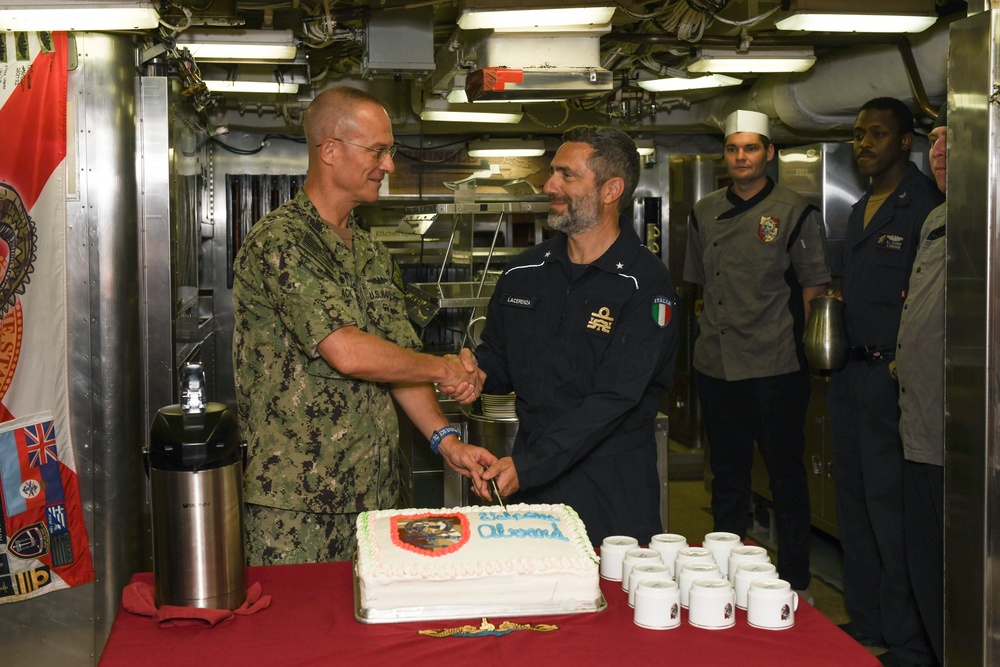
column 573, row 222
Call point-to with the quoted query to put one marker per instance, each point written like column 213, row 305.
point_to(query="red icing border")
column 394, row 533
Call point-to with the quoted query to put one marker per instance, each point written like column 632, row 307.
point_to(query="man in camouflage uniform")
column 322, row 346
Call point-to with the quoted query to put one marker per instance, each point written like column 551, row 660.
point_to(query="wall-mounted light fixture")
column 506, row 16
column 441, row 110
column 506, row 148
column 35, row 15
column 239, row 45
column 859, row 16
column 677, row 83
column 645, row 147
column 757, row 61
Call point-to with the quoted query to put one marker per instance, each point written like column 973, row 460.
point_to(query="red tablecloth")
column 311, row 622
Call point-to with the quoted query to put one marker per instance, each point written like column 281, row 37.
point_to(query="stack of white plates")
column 499, row 406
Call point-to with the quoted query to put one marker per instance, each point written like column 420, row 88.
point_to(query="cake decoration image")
column 430, row 534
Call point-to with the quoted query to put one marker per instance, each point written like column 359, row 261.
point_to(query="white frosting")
column 531, row 557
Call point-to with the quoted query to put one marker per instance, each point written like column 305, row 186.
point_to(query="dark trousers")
column 770, row 411
column 868, row 483
column 923, row 525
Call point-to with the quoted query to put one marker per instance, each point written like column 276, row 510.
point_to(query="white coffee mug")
column 613, row 550
column 746, row 554
column 720, row 544
column 693, row 571
column 668, row 544
column 711, row 604
column 638, row 555
column 691, row 555
column 641, row 571
column 748, row 572
column 771, row 604
column 657, row 604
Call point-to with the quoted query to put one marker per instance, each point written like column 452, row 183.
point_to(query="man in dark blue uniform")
column 580, row 328
column 883, row 234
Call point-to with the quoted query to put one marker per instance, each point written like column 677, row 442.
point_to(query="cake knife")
column 496, row 490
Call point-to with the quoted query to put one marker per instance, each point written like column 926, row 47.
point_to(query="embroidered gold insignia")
column 601, row 320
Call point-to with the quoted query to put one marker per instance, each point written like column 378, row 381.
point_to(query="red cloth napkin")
column 138, row 598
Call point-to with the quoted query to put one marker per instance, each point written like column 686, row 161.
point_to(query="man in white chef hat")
column 758, row 250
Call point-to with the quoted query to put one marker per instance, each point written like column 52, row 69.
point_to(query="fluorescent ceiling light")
column 246, row 45
column 838, row 22
column 251, row 87
column 694, row 83
column 858, row 16
column 506, row 148
column 81, row 16
column 285, row 78
column 470, row 116
column 755, row 62
column 440, row 110
column 564, row 18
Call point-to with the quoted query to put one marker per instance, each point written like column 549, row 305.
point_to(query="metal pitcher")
column 825, row 338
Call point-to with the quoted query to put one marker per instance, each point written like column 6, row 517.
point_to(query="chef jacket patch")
column 767, row 228
column 890, row 242
column 601, row 321
column 663, row 309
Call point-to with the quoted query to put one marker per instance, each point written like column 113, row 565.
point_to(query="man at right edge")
column 883, row 233
column 920, row 369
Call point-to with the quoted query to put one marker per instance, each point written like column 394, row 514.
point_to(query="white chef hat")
column 748, row 121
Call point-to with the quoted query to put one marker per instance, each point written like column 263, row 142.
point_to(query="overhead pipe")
column 825, row 99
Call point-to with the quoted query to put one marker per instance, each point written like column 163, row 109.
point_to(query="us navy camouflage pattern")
column 318, row 441
column 285, row 537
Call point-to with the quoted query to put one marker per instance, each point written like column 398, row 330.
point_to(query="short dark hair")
column 614, row 155
column 899, row 111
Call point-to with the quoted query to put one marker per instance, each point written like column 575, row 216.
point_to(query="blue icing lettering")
column 499, row 531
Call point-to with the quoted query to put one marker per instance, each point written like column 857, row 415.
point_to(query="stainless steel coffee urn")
column 195, row 468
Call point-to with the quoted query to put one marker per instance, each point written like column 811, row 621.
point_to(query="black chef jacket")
column 590, row 353
column 877, row 259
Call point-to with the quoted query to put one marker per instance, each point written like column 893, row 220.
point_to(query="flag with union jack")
column 41, row 443
column 43, row 539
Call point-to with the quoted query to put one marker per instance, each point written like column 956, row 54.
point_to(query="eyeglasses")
column 380, row 153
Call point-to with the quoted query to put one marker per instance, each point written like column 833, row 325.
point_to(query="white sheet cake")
column 422, row 564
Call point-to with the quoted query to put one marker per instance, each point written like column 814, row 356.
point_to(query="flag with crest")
column 43, row 538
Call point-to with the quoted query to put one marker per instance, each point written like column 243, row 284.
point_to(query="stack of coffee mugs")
column 709, row 581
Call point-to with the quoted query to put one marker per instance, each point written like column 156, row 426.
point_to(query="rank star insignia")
column 619, row 266
column 767, row 228
column 548, row 254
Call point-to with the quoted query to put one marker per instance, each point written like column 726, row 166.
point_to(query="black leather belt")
column 871, row 353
